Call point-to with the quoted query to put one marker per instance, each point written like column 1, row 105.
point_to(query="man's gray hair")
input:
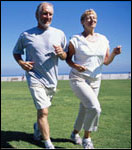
column 38, row 10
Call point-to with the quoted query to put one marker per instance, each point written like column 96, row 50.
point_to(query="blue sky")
column 114, row 21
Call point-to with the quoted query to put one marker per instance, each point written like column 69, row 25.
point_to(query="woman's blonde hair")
column 86, row 13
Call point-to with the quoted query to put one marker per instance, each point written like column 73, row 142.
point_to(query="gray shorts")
column 41, row 95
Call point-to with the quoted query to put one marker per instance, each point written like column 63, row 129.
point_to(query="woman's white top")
column 89, row 53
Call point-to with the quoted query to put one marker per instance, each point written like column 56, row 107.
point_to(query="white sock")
column 48, row 142
column 75, row 133
column 87, row 139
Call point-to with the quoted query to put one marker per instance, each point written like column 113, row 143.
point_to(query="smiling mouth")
column 92, row 23
column 46, row 21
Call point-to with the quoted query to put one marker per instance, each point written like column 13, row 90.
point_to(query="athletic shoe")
column 37, row 134
column 76, row 139
column 87, row 144
column 49, row 146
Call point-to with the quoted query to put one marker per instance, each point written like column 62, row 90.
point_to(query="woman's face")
column 90, row 21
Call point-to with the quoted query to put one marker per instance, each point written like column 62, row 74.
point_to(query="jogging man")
column 43, row 46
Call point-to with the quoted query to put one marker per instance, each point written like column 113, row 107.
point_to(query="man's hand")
column 59, row 51
column 28, row 65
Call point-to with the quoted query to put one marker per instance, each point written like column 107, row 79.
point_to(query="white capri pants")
column 89, row 112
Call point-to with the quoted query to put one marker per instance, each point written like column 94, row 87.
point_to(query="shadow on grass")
column 9, row 136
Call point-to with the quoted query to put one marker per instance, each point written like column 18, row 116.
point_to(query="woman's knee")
column 96, row 110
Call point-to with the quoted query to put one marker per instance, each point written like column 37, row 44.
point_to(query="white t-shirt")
column 38, row 45
column 90, row 53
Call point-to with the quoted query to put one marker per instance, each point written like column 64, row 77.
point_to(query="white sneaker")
column 76, row 139
column 87, row 144
column 37, row 134
column 49, row 146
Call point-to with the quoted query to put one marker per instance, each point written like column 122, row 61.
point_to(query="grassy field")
column 18, row 115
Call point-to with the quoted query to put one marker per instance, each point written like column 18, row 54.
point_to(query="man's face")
column 45, row 16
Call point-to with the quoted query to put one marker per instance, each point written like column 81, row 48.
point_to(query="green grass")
column 18, row 115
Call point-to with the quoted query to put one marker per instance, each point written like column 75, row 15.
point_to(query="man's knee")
column 42, row 113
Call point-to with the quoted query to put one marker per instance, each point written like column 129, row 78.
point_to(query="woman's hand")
column 117, row 50
column 109, row 57
column 80, row 68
